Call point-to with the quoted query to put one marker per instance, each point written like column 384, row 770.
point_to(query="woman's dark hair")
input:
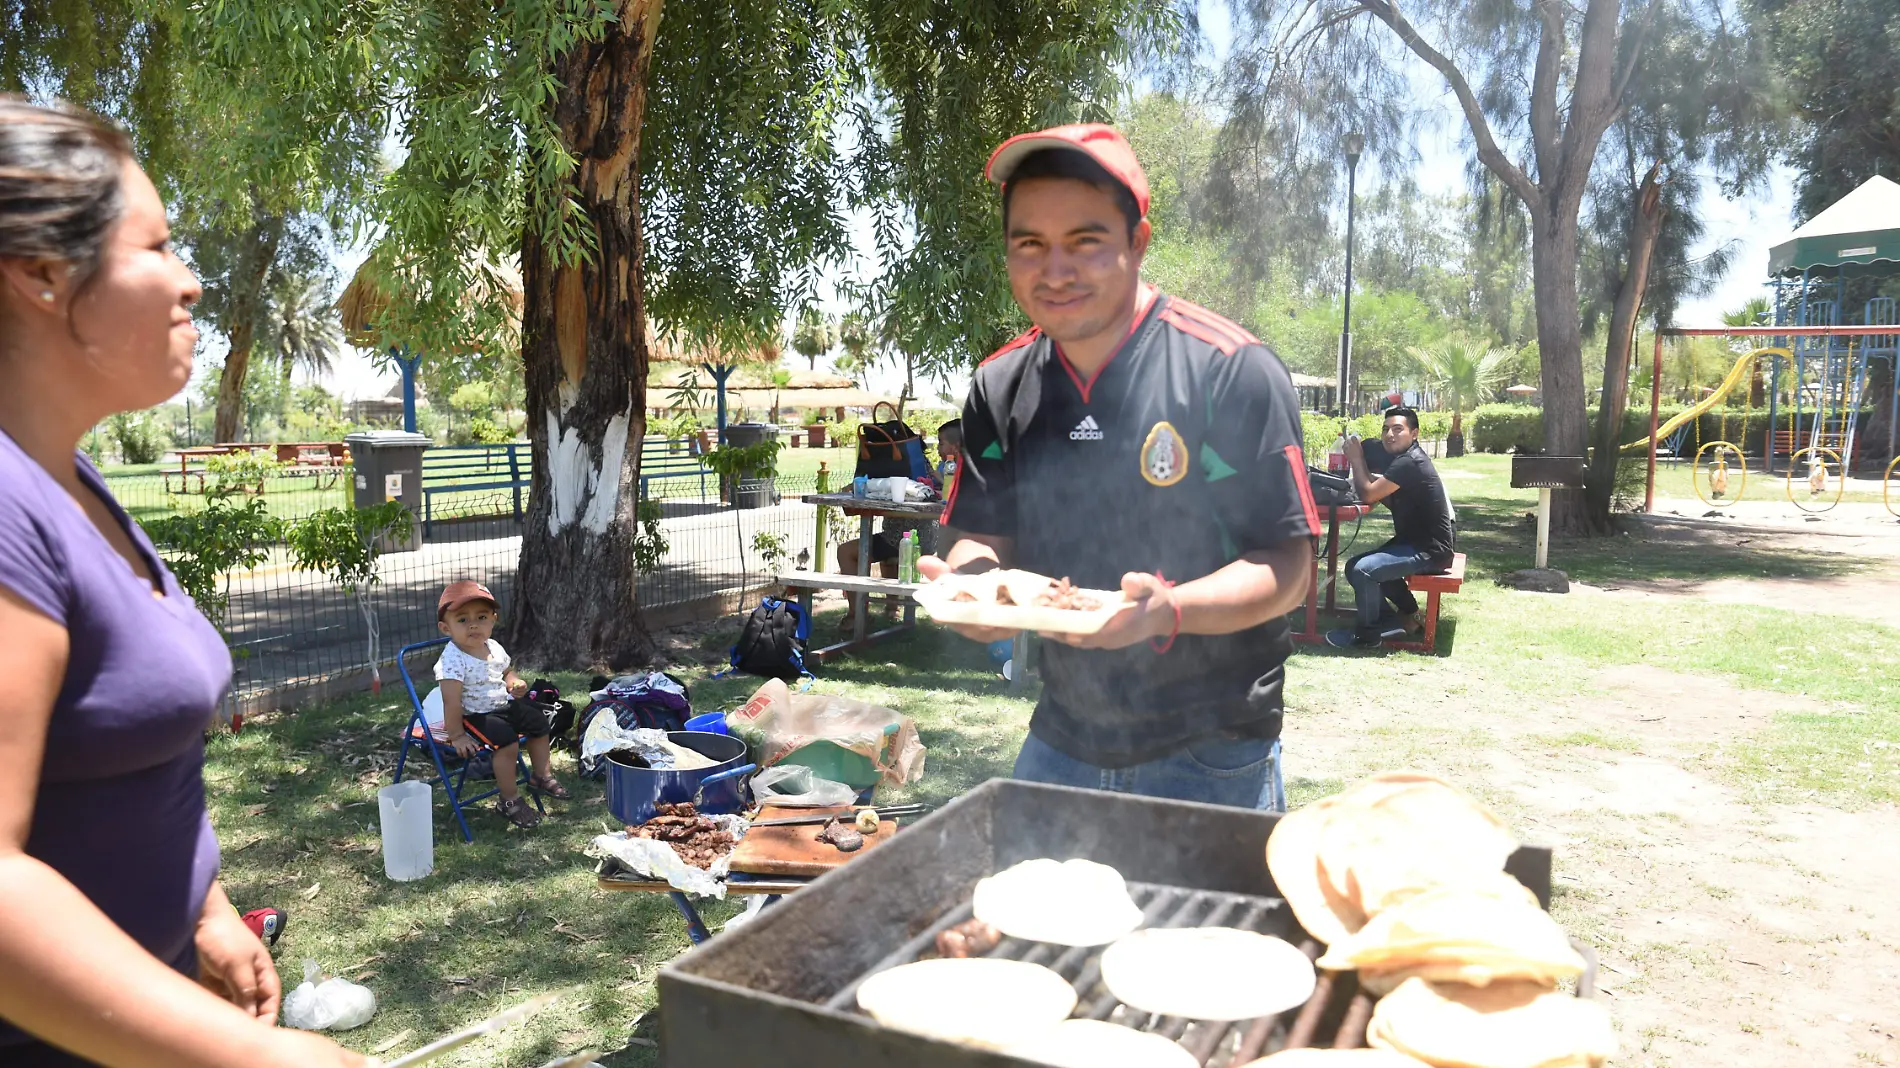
column 1075, row 165
column 1410, row 415
column 60, row 184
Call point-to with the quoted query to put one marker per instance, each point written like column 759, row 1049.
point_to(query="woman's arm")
column 68, row 974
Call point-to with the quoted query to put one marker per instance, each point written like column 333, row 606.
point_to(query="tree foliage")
column 1841, row 62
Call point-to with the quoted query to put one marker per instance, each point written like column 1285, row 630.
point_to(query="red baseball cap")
column 1104, row 144
column 460, row 593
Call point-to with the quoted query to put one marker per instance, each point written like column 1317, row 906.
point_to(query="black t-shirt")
column 1421, row 510
column 1182, row 454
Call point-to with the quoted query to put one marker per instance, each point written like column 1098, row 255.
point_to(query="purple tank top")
column 121, row 805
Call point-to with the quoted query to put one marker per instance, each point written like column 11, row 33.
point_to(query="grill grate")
column 1336, row 1015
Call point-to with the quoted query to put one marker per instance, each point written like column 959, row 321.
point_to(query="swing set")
column 1823, row 372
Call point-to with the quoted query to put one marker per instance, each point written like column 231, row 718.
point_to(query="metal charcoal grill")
column 783, row 989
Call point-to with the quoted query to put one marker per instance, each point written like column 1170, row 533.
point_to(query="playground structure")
column 1813, row 416
column 1836, row 381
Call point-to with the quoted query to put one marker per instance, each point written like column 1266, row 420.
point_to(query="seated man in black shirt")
column 1423, row 535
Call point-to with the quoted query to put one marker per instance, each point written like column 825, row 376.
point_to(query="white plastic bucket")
column 408, row 812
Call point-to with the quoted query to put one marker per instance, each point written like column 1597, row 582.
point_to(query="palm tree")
column 1753, row 313
column 301, row 326
column 1466, row 372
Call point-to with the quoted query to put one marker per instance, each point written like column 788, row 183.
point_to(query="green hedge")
column 1520, row 427
column 1320, row 428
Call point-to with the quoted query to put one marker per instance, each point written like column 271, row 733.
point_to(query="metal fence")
column 296, row 636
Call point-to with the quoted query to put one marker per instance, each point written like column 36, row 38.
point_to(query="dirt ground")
column 1729, row 931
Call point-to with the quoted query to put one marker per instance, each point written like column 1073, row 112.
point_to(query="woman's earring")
column 46, row 295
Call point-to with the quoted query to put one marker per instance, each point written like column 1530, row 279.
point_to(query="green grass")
column 517, row 912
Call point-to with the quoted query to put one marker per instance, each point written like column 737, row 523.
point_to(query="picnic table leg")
column 695, row 927
column 1019, row 655
column 861, row 626
column 1332, row 562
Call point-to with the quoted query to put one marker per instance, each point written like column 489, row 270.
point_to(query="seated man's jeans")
column 1240, row 772
column 1379, row 576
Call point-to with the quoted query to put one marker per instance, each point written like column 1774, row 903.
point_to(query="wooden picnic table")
column 1330, row 554
column 867, row 510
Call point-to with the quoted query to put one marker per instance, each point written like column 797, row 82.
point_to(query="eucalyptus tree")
column 688, row 163
column 1841, row 62
column 1537, row 84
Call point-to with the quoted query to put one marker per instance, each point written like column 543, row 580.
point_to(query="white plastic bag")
column 798, row 786
column 333, row 1004
column 657, row 860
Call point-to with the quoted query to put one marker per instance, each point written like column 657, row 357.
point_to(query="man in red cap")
column 1133, row 440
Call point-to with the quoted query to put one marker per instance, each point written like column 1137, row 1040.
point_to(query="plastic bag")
column 797, row 785
column 777, row 722
column 333, row 1004
column 605, row 735
column 657, row 860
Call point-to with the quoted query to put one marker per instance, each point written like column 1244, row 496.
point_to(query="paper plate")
column 937, row 599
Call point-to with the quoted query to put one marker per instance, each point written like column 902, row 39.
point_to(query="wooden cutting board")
column 796, row 850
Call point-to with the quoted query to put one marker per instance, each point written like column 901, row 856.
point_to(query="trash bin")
column 747, row 490
column 388, row 467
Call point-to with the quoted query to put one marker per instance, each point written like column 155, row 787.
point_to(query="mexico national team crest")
column 1164, row 456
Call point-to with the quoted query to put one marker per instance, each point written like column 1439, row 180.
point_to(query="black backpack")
column 773, row 642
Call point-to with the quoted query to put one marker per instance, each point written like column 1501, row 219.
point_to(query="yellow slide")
column 1734, row 378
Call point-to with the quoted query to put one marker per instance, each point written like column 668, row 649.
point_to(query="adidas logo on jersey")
column 1086, row 430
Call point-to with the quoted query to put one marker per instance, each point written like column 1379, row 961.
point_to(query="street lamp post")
column 1355, row 144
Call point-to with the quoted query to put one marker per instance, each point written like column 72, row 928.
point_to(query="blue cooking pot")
column 634, row 793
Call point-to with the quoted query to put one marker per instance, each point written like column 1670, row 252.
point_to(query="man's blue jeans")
column 1379, row 576
column 1241, row 772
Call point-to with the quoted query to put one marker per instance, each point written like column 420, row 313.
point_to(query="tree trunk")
column 585, row 363
column 1455, row 440
column 247, row 306
column 1560, row 353
column 1645, row 226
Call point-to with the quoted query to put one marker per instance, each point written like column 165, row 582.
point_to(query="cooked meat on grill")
column 1064, row 595
column 971, row 938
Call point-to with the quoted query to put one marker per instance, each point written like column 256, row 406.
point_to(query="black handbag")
column 890, row 449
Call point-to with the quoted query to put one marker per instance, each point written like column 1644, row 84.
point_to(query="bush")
column 138, row 437
column 1505, row 428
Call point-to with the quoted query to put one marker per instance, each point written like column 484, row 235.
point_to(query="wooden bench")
column 664, row 458
column 1450, row 580
column 473, row 468
column 1787, row 441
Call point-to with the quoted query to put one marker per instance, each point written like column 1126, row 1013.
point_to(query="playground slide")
column 1734, row 378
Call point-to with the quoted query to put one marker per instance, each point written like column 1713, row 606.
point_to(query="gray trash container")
column 750, row 492
column 388, row 467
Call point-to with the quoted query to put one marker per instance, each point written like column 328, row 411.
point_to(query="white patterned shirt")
column 483, row 685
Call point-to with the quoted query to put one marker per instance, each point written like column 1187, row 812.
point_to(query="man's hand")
column 1355, row 449
column 1152, row 615
column 234, row 963
column 932, row 569
column 465, row 746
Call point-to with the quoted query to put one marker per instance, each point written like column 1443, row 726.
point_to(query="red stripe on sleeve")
column 1297, row 460
column 1196, row 329
column 950, row 499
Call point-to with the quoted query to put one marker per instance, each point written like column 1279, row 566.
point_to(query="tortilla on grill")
column 1504, row 1025
column 1336, row 1058
column 1207, row 973
column 1096, row 1044
column 1293, row 861
column 1068, row 903
column 1395, row 835
column 982, row 1001
column 1475, row 935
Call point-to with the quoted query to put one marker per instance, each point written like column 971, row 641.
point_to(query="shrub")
column 1505, row 428
column 138, row 437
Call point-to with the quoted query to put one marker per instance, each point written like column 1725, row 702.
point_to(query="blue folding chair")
column 417, row 733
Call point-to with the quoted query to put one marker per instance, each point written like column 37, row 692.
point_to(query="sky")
column 1750, row 225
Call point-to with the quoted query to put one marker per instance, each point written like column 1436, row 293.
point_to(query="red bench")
column 1449, row 580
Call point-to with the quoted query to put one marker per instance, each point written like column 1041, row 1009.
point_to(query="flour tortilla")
column 1395, row 835
column 1293, row 861
column 1207, row 973
column 1068, row 903
column 1336, row 1058
column 1504, row 1025
column 1095, row 1044
column 980, row 1001
column 1475, row 935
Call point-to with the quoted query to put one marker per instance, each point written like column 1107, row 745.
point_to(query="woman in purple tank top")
column 113, row 930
